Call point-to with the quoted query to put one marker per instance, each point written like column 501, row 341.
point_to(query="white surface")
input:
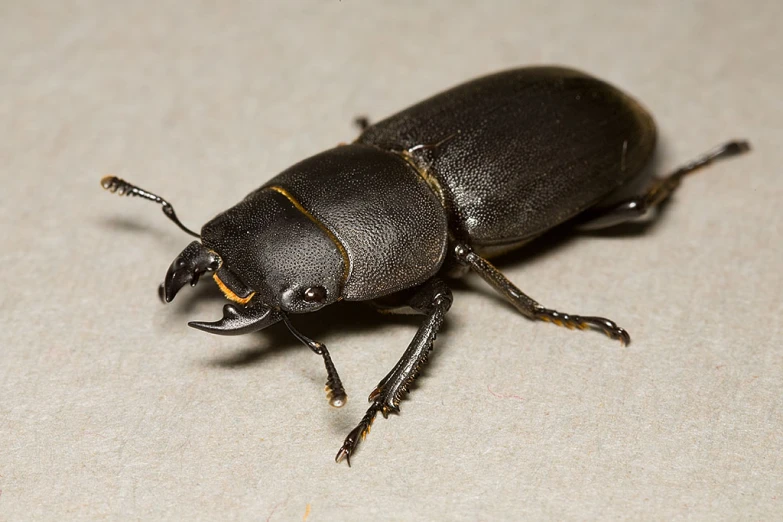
column 110, row 407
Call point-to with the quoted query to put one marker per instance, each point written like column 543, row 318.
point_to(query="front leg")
column 432, row 300
column 334, row 386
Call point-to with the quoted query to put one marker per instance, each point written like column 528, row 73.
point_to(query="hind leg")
column 658, row 192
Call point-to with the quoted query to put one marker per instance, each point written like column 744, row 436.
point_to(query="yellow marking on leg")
column 367, row 429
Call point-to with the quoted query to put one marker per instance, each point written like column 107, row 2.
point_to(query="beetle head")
column 275, row 253
column 267, row 253
column 191, row 264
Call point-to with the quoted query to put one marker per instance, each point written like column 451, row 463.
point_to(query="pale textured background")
column 111, row 408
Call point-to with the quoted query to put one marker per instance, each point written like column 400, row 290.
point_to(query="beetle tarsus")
column 607, row 326
column 728, row 149
column 357, row 435
column 432, row 300
column 335, row 392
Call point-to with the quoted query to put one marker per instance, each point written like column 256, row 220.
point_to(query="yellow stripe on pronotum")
column 346, row 261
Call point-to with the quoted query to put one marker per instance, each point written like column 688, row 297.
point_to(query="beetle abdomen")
column 522, row 150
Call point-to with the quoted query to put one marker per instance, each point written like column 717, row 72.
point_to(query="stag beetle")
column 425, row 195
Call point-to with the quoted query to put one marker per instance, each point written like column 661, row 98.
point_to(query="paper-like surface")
column 111, row 408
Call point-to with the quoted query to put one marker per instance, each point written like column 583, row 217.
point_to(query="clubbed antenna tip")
column 123, row 188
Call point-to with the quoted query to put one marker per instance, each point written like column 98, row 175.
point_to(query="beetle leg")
column 531, row 308
column 335, row 391
column 433, row 300
column 659, row 191
column 362, row 122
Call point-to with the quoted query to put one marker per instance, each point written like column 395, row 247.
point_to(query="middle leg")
column 530, row 308
column 335, row 391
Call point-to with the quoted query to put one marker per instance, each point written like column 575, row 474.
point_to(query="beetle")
column 422, row 197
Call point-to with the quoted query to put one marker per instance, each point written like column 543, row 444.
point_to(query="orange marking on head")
column 231, row 296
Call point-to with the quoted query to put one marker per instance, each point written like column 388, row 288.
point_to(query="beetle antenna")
column 123, row 188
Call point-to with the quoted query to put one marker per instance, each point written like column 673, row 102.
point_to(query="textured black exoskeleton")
column 424, row 196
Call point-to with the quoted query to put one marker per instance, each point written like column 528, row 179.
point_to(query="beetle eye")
column 314, row 294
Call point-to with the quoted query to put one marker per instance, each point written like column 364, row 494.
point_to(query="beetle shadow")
column 634, row 228
column 122, row 225
column 357, row 317
column 117, row 223
column 558, row 239
column 643, row 225
column 560, row 236
column 346, row 317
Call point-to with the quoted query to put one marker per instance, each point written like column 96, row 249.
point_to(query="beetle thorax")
column 275, row 252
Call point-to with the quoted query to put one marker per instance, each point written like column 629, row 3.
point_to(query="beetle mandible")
column 425, row 195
